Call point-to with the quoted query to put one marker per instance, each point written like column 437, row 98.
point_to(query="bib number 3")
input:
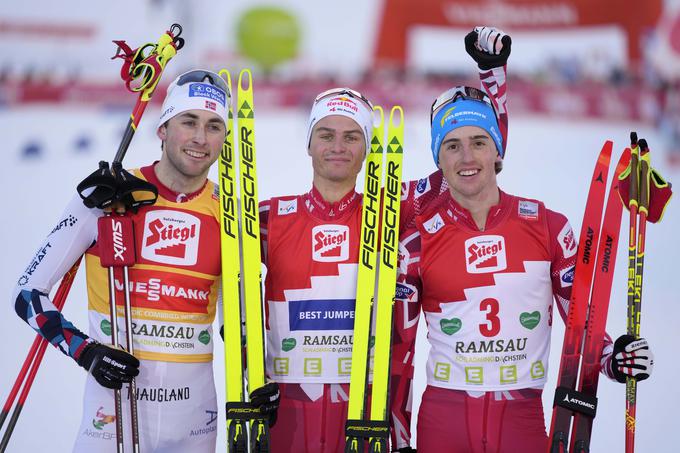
column 493, row 323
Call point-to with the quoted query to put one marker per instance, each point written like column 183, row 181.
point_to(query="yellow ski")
column 241, row 274
column 370, row 220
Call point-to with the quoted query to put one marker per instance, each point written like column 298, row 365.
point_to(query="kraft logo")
column 287, row 206
column 485, row 254
column 567, row 241
column 171, row 237
column 330, row 243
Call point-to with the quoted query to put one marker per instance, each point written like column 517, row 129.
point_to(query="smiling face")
column 337, row 148
column 467, row 157
column 191, row 144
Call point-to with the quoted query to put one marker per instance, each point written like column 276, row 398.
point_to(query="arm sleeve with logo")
column 406, row 315
column 564, row 248
column 494, row 83
column 70, row 238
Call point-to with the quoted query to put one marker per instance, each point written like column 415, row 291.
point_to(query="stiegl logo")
column 485, row 254
column 330, row 243
column 171, row 237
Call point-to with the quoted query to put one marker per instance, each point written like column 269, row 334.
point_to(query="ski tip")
column 624, row 161
column 633, row 138
column 606, row 152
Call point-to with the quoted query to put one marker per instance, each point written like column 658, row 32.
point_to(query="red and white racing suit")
column 487, row 299
column 311, row 249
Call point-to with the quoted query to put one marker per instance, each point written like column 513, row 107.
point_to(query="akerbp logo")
column 101, row 419
column 485, row 254
column 330, row 243
column 171, row 237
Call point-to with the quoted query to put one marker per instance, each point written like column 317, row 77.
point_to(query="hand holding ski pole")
column 143, row 66
column 111, row 367
column 632, row 358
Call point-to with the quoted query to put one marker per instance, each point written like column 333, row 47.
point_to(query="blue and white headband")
column 464, row 112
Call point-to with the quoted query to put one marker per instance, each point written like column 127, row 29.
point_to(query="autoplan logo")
column 330, row 243
column 485, row 254
column 171, row 237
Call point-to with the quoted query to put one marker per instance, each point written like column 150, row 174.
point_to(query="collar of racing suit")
column 324, row 210
column 165, row 192
column 497, row 212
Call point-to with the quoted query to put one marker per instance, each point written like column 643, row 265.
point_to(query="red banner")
column 633, row 16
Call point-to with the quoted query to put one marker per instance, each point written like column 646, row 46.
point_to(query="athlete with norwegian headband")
column 173, row 287
column 311, row 249
column 484, row 266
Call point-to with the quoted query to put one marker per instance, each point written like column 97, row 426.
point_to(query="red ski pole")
column 636, row 256
column 32, row 362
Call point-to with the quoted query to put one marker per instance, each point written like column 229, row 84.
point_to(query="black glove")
column 405, row 450
column 267, row 399
column 483, row 46
column 631, row 358
column 109, row 366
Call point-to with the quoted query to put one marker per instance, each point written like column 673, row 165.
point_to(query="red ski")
column 598, row 308
column 576, row 317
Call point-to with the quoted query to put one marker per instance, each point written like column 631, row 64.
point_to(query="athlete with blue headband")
column 484, row 266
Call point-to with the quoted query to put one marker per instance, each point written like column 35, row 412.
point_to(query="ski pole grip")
column 645, row 174
column 116, row 241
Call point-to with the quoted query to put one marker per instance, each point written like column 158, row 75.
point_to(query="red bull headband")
column 344, row 102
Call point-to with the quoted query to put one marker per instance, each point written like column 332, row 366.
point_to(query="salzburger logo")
column 330, row 243
column 485, row 254
column 171, row 237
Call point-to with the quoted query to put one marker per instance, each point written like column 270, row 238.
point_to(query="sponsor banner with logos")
column 496, row 339
column 310, row 334
column 169, row 340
